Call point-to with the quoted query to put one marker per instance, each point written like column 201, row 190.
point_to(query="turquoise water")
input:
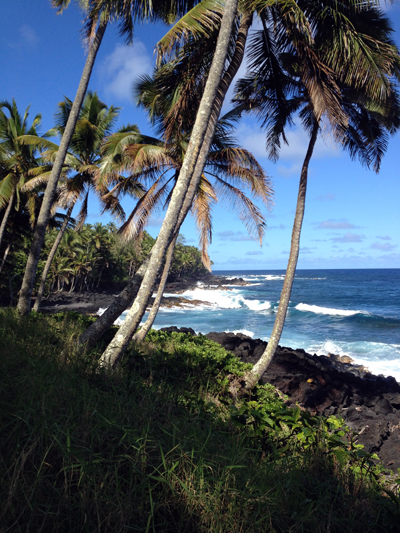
column 352, row 312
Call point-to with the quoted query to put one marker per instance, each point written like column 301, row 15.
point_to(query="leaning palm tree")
column 215, row 89
column 228, row 170
column 221, row 76
column 82, row 163
column 99, row 13
column 275, row 90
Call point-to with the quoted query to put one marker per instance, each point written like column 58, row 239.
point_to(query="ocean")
column 345, row 312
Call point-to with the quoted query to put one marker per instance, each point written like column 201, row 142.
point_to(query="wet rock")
column 174, row 329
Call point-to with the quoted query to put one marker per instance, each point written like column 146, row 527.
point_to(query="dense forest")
column 91, row 259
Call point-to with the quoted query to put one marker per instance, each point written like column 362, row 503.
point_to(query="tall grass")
column 152, row 448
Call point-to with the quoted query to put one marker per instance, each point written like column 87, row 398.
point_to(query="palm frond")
column 200, row 21
column 201, row 209
column 240, row 204
column 139, row 217
column 82, row 215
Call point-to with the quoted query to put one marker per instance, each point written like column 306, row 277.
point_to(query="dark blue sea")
column 352, row 312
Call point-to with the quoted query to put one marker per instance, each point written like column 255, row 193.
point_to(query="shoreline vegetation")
column 162, row 445
column 324, row 385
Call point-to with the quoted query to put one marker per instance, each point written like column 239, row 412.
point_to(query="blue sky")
column 352, row 214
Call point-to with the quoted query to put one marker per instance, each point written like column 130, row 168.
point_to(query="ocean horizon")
column 354, row 312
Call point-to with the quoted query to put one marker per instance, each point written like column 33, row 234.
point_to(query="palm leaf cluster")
column 17, row 163
column 229, row 168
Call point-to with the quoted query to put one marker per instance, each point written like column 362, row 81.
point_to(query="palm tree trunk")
column 6, row 216
column 127, row 296
column 24, row 303
column 196, row 147
column 263, row 363
column 114, row 310
column 141, row 334
column 5, row 256
column 50, row 258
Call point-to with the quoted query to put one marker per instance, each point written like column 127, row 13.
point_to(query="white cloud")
column 155, row 221
column 254, row 140
column 28, row 35
column 122, row 67
column 281, row 226
column 307, row 249
column 298, row 144
column 383, row 246
column 384, row 237
column 326, row 197
column 254, row 253
column 336, row 224
column 289, row 170
column 234, row 236
column 349, row 237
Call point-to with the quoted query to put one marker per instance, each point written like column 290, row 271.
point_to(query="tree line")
column 332, row 65
column 94, row 258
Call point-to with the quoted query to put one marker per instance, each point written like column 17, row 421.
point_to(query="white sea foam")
column 325, row 310
column 244, row 331
column 378, row 357
column 256, row 305
column 226, row 299
column 119, row 320
column 219, row 299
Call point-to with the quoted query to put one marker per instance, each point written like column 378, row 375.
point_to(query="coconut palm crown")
column 228, row 168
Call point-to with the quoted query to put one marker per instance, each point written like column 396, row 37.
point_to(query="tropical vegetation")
column 94, row 258
column 160, row 446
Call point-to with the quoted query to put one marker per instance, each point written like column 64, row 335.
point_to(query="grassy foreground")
column 160, row 446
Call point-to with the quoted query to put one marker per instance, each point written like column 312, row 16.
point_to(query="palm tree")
column 227, row 165
column 99, row 13
column 218, row 80
column 83, row 159
column 189, row 177
column 15, row 160
column 275, row 90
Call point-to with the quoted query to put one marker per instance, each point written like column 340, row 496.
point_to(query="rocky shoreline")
column 324, row 385
column 89, row 302
column 328, row 385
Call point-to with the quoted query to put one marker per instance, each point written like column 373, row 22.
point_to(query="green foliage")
column 92, row 258
column 154, row 447
column 187, row 261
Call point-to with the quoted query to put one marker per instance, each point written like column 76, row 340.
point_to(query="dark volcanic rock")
column 327, row 385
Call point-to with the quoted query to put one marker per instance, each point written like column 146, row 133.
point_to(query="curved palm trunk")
column 6, row 217
column 50, row 258
column 141, row 334
column 262, row 364
column 197, row 146
column 3, row 261
column 127, row 296
column 24, row 303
